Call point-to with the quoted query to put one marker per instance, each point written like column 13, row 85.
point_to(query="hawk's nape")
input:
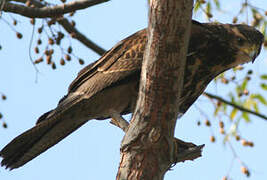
column 109, row 87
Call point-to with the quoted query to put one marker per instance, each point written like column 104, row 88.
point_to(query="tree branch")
column 70, row 29
column 235, row 105
column 54, row 11
column 148, row 148
column 81, row 37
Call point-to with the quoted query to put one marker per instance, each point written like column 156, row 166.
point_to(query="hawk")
column 109, row 87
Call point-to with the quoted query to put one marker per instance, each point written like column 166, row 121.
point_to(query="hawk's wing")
column 118, row 63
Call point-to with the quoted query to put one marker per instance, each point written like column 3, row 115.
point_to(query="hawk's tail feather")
column 38, row 139
column 16, row 149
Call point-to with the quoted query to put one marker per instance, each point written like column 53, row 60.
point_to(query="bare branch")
column 235, row 105
column 54, row 11
column 80, row 37
column 70, row 29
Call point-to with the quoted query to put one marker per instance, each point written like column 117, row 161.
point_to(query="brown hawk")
column 108, row 87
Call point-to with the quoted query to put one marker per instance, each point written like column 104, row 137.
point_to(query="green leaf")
column 197, row 6
column 217, row 3
column 233, row 113
column 245, row 116
column 264, row 86
column 264, row 76
column 224, row 107
column 256, row 108
column 232, row 98
column 208, row 8
column 247, row 103
column 263, row 28
column 260, row 98
column 244, row 85
column 254, row 11
column 217, row 109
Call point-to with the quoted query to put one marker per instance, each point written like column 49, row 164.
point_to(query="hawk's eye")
column 240, row 41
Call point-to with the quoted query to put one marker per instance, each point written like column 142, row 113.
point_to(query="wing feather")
column 121, row 58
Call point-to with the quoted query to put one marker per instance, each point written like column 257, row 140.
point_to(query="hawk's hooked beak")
column 253, row 55
column 252, row 52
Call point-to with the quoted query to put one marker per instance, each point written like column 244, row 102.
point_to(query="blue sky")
column 92, row 152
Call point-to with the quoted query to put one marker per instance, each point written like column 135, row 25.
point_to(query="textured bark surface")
column 148, row 149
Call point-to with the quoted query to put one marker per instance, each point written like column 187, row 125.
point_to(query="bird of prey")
column 109, row 87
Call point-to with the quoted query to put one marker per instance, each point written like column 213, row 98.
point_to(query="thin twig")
column 30, row 47
column 235, row 105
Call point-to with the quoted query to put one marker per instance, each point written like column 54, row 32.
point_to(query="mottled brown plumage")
column 109, row 86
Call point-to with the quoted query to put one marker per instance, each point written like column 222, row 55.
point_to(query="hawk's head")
column 247, row 41
column 213, row 49
column 229, row 45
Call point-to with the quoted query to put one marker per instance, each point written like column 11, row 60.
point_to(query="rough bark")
column 148, row 148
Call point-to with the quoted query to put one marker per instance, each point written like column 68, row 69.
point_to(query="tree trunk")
column 149, row 148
